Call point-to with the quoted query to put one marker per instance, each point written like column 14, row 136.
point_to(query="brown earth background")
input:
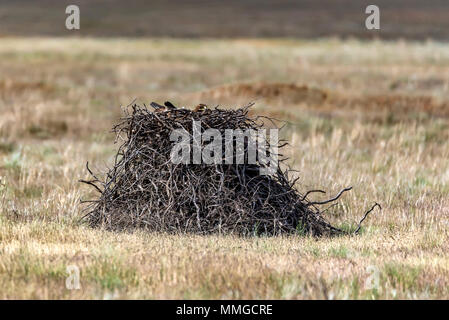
column 410, row 19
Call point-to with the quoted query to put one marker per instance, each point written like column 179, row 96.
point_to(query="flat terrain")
column 372, row 115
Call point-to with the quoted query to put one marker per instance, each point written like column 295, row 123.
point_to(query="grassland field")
column 371, row 115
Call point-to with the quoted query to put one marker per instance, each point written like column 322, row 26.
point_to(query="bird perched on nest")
column 201, row 108
column 166, row 107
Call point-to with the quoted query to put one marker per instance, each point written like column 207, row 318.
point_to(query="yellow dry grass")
column 59, row 98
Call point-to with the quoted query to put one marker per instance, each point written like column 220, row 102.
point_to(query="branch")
column 92, row 184
column 311, row 191
column 366, row 214
column 330, row 200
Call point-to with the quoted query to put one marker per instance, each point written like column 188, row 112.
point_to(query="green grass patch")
column 400, row 275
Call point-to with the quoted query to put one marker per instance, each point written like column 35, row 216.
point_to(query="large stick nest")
column 144, row 189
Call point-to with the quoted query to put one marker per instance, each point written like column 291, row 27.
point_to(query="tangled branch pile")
column 145, row 189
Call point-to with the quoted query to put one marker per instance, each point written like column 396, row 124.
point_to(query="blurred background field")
column 367, row 113
column 410, row 19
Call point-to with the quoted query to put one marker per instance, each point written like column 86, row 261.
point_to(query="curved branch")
column 311, row 191
column 330, row 200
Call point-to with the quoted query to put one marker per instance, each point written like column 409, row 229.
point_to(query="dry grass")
column 59, row 98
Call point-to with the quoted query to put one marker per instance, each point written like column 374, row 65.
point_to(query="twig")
column 311, row 191
column 330, row 200
column 366, row 214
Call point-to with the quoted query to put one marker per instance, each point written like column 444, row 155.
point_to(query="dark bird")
column 156, row 106
column 169, row 105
